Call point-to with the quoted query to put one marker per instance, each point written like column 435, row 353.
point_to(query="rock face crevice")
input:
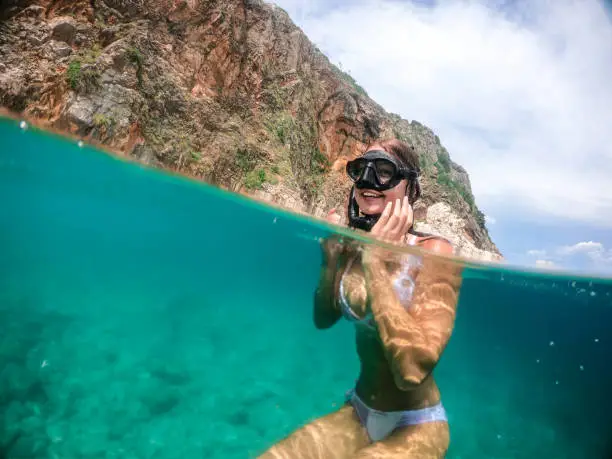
column 230, row 91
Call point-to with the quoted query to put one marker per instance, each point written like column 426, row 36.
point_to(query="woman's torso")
column 376, row 384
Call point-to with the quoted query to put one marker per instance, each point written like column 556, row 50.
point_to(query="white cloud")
column 490, row 220
column 581, row 248
column 590, row 255
column 595, row 251
column 521, row 98
column 545, row 264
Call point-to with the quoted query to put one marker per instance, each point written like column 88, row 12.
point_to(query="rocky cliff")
column 229, row 91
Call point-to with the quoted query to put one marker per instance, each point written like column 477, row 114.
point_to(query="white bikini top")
column 403, row 286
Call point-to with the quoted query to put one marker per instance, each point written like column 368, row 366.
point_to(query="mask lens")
column 385, row 170
column 355, row 168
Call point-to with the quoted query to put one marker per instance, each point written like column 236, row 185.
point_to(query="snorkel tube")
column 362, row 222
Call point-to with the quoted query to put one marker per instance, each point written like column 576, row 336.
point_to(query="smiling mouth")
column 370, row 195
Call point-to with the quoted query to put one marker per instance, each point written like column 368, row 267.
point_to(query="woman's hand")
column 331, row 248
column 394, row 222
column 333, row 217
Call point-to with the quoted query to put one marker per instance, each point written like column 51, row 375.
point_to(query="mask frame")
column 369, row 177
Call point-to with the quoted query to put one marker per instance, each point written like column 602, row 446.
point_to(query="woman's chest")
column 353, row 290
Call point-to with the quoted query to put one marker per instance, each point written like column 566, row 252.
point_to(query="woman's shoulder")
column 431, row 242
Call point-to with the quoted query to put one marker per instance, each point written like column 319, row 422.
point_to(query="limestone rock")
column 59, row 48
column 443, row 221
column 36, row 41
column 64, row 29
column 33, row 11
column 109, row 111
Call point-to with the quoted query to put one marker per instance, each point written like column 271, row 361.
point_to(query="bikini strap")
column 341, row 294
column 414, row 236
column 411, row 239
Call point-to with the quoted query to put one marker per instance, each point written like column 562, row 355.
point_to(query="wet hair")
column 407, row 155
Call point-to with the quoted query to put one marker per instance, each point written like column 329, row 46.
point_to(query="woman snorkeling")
column 403, row 307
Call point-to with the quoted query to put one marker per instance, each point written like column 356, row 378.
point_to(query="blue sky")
column 519, row 92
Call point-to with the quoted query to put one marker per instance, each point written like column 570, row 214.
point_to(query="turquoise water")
column 148, row 316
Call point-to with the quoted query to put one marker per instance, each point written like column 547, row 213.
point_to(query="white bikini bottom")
column 380, row 424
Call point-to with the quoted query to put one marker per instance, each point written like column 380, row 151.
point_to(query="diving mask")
column 378, row 170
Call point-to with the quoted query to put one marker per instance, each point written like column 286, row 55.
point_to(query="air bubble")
column 274, row 221
column 556, row 383
column 581, row 368
column 80, row 143
column 592, row 293
column 596, row 340
column 23, row 125
column 552, row 343
column 537, row 360
column 574, row 284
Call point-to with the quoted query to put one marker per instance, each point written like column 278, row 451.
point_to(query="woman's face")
column 374, row 202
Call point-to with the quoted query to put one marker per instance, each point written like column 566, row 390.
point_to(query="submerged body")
column 377, row 384
column 388, row 414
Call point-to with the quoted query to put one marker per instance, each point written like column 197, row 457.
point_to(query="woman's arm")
column 414, row 341
column 326, row 312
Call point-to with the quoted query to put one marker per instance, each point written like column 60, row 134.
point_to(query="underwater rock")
column 239, row 418
column 171, row 377
column 161, row 403
column 7, row 449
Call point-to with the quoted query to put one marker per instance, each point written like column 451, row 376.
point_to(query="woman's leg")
column 429, row 440
column 338, row 435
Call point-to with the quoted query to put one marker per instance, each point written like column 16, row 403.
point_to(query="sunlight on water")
column 144, row 315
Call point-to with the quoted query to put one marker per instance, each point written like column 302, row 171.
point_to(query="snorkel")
column 362, row 222
column 369, row 178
